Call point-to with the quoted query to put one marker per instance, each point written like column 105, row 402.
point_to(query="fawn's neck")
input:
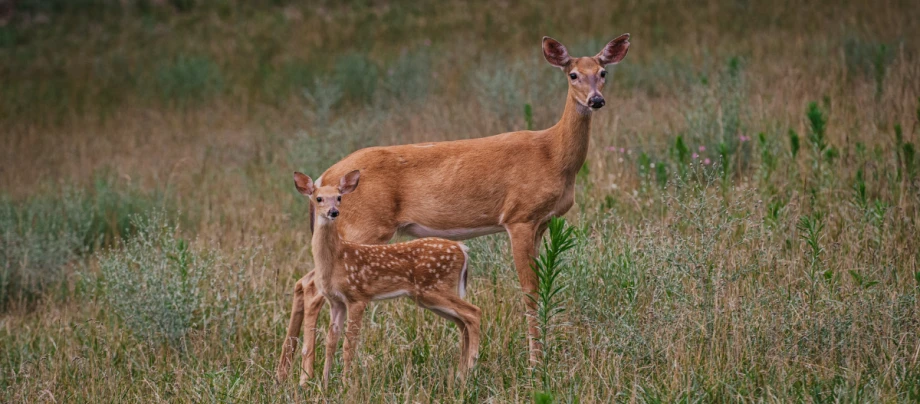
column 572, row 133
column 326, row 246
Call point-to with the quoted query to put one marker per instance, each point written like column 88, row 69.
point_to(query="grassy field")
column 746, row 225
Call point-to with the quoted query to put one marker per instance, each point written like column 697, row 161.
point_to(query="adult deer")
column 430, row 271
column 462, row 189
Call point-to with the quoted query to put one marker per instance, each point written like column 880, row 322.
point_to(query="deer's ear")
column 349, row 182
column 555, row 53
column 303, row 183
column 615, row 51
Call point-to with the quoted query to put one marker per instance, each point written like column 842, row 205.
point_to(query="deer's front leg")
column 523, row 247
column 353, row 333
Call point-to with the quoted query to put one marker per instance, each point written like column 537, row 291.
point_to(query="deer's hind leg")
column 293, row 330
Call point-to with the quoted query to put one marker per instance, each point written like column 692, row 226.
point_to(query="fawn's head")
column 586, row 75
column 327, row 198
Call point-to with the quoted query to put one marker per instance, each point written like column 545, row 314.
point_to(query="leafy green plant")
column 725, row 159
column 812, row 228
column 860, row 197
column 681, row 154
column 661, row 174
column 818, row 127
column 767, row 158
column 528, row 116
column 548, row 267
column 794, row 143
column 774, row 210
column 861, row 281
column 905, row 154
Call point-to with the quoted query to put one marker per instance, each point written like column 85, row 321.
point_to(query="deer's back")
column 458, row 184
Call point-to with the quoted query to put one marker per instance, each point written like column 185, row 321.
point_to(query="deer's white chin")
column 584, row 109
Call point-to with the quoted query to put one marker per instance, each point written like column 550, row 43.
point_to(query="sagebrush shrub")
column 161, row 287
column 38, row 237
column 41, row 235
column 153, row 284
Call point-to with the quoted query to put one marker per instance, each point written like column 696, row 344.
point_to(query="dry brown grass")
column 692, row 291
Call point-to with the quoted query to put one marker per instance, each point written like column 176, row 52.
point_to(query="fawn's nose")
column 334, row 213
column 596, row 102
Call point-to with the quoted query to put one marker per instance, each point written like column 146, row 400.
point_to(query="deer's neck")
column 326, row 247
column 571, row 134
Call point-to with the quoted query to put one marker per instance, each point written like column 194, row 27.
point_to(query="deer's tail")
column 463, row 272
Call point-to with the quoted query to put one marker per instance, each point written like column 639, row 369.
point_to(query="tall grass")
column 735, row 242
column 45, row 233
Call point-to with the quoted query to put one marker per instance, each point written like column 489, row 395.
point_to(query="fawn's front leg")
column 353, row 333
column 313, row 302
column 337, row 319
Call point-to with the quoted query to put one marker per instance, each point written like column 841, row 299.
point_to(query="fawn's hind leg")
column 467, row 318
column 353, row 332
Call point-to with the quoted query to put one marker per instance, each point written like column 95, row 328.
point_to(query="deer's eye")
column 338, row 198
column 319, row 199
column 603, row 73
column 573, row 76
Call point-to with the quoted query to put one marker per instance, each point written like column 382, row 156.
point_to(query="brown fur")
column 430, row 271
column 513, row 181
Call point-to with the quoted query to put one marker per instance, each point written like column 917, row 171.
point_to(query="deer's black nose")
column 334, row 213
column 596, row 102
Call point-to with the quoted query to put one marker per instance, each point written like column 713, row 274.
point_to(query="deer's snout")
column 333, row 213
column 596, row 102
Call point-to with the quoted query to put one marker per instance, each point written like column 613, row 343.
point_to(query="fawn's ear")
column 349, row 182
column 615, row 51
column 303, row 183
column 555, row 53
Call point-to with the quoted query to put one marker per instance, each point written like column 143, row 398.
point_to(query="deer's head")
column 327, row 198
column 586, row 75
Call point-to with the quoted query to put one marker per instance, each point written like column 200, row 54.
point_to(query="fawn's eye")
column 573, row 76
column 338, row 198
column 603, row 73
column 319, row 199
